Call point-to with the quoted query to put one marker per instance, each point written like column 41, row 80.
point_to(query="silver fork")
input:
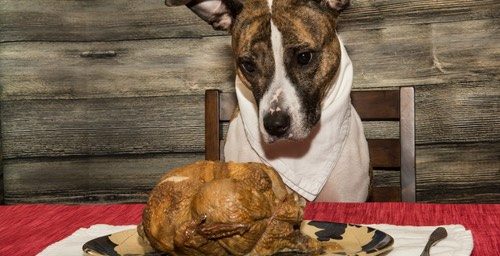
column 437, row 235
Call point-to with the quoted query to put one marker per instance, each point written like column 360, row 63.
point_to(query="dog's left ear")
column 218, row 13
column 336, row 5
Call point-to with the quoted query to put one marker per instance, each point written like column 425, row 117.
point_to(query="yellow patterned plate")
column 353, row 239
column 339, row 238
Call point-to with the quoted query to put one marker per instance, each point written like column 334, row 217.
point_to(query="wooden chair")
column 382, row 105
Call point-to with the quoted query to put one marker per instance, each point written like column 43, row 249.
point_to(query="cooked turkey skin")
column 215, row 208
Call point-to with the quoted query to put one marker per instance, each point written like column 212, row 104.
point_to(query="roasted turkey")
column 215, row 208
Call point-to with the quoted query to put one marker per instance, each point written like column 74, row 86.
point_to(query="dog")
column 293, row 83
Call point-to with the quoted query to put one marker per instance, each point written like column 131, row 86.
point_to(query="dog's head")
column 287, row 53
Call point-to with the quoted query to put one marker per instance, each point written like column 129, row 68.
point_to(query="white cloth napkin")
column 319, row 152
column 72, row 245
column 408, row 240
column 411, row 240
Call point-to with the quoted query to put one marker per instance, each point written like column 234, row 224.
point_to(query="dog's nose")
column 277, row 123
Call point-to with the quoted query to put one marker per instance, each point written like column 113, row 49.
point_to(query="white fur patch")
column 281, row 92
column 277, row 95
column 270, row 4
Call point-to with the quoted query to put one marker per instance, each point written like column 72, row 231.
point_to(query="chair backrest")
column 385, row 154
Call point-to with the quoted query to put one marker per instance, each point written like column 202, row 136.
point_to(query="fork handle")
column 437, row 235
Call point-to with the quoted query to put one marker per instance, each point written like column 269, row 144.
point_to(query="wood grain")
column 376, row 106
column 1, row 162
column 110, row 20
column 381, row 129
column 427, row 54
column 41, row 128
column 408, row 156
column 448, row 173
column 385, row 153
column 88, row 179
column 138, row 69
column 366, row 14
column 385, row 194
column 99, row 88
column 386, row 178
column 119, row 179
column 412, row 55
column 37, row 128
column 459, row 173
column 213, row 144
column 464, row 112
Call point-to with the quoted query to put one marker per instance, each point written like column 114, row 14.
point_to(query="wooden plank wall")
column 99, row 98
column 1, row 158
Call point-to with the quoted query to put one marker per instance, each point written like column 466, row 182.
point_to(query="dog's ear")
column 218, row 13
column 336, row 5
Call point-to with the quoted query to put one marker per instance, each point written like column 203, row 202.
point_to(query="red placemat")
column 482, row 219
column 28, row 229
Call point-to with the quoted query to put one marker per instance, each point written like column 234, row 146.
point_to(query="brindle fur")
column 305, row 26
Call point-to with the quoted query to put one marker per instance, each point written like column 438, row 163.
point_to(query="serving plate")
column 352, row 239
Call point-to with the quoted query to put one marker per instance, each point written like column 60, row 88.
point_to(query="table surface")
column 28, row 229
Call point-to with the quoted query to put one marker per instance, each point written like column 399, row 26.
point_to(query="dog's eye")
column 248, row 66
column 304, row 58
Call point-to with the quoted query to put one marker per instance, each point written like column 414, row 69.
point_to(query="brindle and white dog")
column 293, row 83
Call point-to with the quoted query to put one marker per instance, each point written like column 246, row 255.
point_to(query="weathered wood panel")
column 104, row 179
column 447, row 173
column 427, row 54
column 465, row 112
column 87, row 78
column 88, row 179
column 38, row 128
column 386, row 178
column 110, row 20
column 459, row 173
column 366, row 14
column 137, row 69
column 1, row 161
column 412, row 55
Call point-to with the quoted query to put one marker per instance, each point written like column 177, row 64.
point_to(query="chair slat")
column 407, row 133
column 370, row 105
column 385, row 194
column 376, row 105
column 384, row 153
column 212, row 127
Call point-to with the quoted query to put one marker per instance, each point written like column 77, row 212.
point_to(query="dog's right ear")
column 218, row 13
